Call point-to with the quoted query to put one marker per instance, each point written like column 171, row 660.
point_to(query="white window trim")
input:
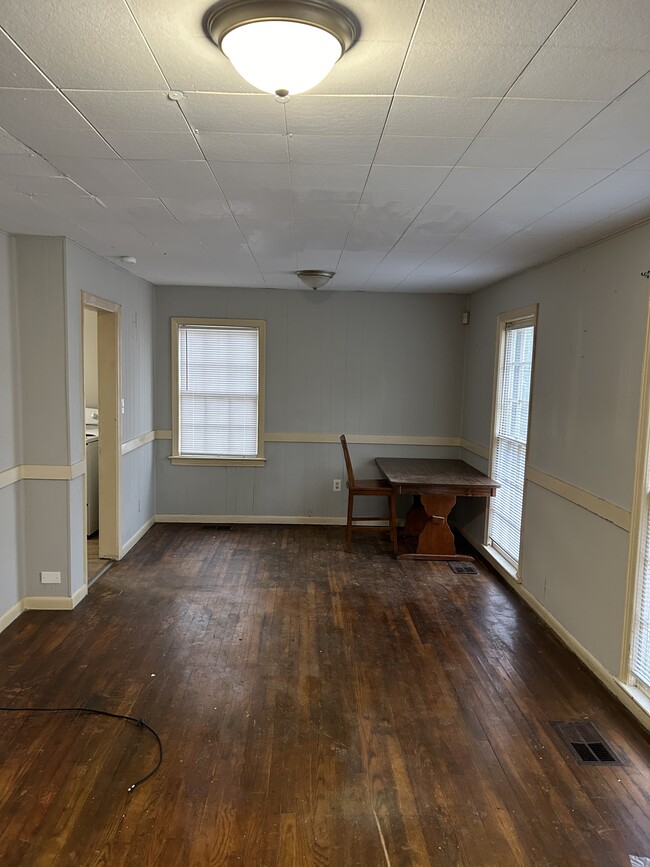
column 503, row 320
column 257, row 460
column 637, row 530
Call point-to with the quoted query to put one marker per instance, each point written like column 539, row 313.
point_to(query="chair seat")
column 367, row 488
column 370, row 486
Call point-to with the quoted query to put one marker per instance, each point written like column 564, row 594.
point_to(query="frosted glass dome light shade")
column 283, row 47
column 281, row 55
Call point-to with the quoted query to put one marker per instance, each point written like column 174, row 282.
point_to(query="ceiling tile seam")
column 478, row 133
column 194, row 135
column 293, row 213
column 622, row 231
column 29, row 59
column 510, row 237
column 390, row 105
column 146, row 42
column 56, row 88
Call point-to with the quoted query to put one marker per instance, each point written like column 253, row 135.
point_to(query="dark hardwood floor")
column 316, row 708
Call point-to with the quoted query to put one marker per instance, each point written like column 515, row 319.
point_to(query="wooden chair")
column 367, row 488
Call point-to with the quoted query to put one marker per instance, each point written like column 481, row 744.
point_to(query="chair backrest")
column 348, row 462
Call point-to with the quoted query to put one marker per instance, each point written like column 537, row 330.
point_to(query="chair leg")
column 392, row 512
column 348, row 531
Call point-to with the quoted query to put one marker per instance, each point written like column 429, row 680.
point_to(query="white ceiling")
column 454, row 144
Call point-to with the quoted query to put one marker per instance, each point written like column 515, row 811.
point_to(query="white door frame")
column 110, row 423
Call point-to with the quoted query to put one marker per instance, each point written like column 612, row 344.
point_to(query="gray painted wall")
column 41, row 385
column 354, row 363
column 86, row 272
column 11, row 496
column 586, row 396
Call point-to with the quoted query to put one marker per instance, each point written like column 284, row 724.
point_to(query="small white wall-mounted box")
column 50, row 577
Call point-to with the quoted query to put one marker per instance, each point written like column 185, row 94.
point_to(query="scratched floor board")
column 317, row 709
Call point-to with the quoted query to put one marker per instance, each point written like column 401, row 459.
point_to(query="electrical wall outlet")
column 336, row 485
column 50, row 577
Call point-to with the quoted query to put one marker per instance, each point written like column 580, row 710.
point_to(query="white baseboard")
column 9, row 616
column 248, row 519
column 49, row 603
column 126, row 547
column 80, row 594
column 611, row 683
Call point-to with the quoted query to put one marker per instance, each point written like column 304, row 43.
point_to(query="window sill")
column 637, row 695
column 183, row 461
column 500, row 563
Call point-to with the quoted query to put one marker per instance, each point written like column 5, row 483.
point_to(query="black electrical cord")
column 138, row 722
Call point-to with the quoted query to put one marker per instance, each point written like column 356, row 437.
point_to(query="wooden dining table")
column 435, row 484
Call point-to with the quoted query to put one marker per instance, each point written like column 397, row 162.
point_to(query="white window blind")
column 511, row 436
column 218, row 376
column 640, row 662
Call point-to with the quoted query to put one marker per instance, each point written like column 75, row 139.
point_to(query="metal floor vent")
column 216, row 526
column 586, row 743
column 462, row 567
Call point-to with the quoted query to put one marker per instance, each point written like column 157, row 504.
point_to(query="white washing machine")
column 92, row 470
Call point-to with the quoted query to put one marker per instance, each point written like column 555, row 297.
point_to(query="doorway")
column 102, row 423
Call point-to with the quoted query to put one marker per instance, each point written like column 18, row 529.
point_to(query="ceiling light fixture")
column 315, row 279
column 283, row 47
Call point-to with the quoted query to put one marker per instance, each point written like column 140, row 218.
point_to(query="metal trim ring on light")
column 311, row 275
column 225, row 17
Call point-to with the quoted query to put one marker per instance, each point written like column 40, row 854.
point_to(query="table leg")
column 427, row 519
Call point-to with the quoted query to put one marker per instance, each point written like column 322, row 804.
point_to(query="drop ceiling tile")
column 399, row 150
column 377, row 228
column 509, row 152
column 251, row 179
column 438, row 116
column 478, row 188
column 11, row 145
column 546, row 189
column 626, row 119
column 243, row 147
column 402, row 187
column 270, row 207
column 176, row 178
column 234, row 113
column 316, row 183
column 583, row 153
column 641, row 164
column 45, row 186
column 499, row 22
column 85, row 211
column 16, row 69
column 220, row 233
column 313, row 235
column 333, row 149
column 448, row 69
column 322, row 259
column 540, row 118
column 22, row 110
column 28, row 165
column 103, row 50
column 359, row 74
column 139, row 145
column 151, row 112
column 198, row 210
column 68, row 142
column 559, row 72
column 103, row 177
column 336, row 115
column 439, row 219
column 602, row 24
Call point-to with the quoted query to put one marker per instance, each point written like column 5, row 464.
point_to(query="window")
column 639, row 621
column 510, row 434
column 640, row 656
column 218, row 391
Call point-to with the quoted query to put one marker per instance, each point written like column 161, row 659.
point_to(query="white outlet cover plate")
column 50, row 577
